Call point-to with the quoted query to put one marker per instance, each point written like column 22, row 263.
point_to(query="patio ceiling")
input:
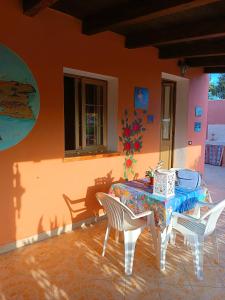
column 193, row 30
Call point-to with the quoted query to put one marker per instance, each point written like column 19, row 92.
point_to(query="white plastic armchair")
column 121, row 218
column 208, row 201
column 205, row 187
column 196, row 230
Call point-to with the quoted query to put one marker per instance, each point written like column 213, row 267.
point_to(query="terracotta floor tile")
column 221, row 273
column 222, row 259
column 211, row 277
column 168, row 292
column 145, row 294
column 175, row 276
column 25, row 287
column 208, row 293
column 100, row 290
column 141, row 287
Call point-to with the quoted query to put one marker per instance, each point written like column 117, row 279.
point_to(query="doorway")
column 168, row 105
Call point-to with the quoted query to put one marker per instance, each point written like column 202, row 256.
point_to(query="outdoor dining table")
column 138, row 196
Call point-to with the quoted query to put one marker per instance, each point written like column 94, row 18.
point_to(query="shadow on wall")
column 11, row 200
column 54, row 225
column 195, row 165
column 55, row 228
column 18, row 191
column 196, row 158
column 81, row 209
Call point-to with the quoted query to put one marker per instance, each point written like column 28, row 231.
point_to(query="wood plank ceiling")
column 191, row 30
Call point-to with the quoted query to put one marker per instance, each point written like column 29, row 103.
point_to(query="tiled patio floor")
column 215, row 179
column 71, row 267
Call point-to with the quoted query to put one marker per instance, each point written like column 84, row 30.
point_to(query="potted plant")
column 151, row 172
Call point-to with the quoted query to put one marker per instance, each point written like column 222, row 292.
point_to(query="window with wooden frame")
column 85, row 113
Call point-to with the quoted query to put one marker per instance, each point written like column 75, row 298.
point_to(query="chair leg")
column 216, row 248
column 162, row 246
column 117, row 236
column 173, row 237
column 163, row 257
column 188, row 241
column 163, row 238
column 198, row 249
column 130, row 238
column 106, row 239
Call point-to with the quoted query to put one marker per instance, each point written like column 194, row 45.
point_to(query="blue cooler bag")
column 188, row 179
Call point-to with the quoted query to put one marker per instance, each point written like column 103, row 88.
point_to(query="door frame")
column 180, row 151
column 173, row 117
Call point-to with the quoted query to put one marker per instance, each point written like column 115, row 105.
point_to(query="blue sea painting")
column 141, row 98
column 19, row 99
column 198, row 111
column 197, row 126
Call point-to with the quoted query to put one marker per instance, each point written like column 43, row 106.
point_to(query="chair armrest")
column 202, row 204
column 185, row 217
column 143, row 214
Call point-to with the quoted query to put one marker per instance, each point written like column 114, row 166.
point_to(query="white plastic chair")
column 196, row 230
column 121, row 218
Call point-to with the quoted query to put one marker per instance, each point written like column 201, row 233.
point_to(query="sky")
column 214, row 78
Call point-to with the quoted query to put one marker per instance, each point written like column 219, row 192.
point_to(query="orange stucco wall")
column 35, row 180
column 216, row 112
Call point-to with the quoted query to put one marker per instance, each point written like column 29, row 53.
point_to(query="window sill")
column 91, row 156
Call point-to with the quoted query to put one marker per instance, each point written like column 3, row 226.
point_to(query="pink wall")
column 35, row 178
column 197, row 97
column 216, row 112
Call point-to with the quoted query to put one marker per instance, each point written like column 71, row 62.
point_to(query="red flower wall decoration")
column 127, row 146
column 128, row 163
column 137, row 146
column 127, row 132
column 135, row 127
column 131, row 139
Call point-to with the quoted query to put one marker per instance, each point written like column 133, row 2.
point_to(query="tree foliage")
column 218, row 90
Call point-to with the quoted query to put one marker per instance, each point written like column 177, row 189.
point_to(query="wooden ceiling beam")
column 206, row 61
column 194, row 48
column 137, row 11
column 33, row 7
column 180, row 33
column 214, row 70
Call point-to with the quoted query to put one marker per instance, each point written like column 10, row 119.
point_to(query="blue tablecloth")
column 139, row 197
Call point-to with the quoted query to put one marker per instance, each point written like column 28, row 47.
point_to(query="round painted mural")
column 19, row 99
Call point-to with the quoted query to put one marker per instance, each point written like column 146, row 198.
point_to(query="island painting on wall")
column 19, row 99
column 141, row 98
